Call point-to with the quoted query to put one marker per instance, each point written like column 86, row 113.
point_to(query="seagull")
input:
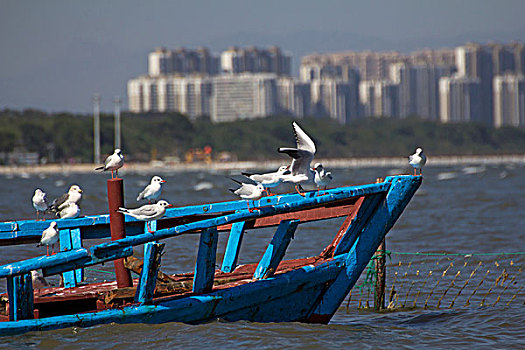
column 38, row 280
column 249, row 191
column 71, row 211
column 73, row 195
column 153, row 190
column 39, row 202
column 269, row 180
column 302, row 156
column 322, row 177
column 147, row 212
column 417, row 161
column 49, row 237
column 113, row 162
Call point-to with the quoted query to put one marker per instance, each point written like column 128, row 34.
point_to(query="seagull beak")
column 80, row 190
column 170, row 206
column 162, row 181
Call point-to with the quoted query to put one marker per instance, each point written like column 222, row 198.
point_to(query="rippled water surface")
column 456, row 210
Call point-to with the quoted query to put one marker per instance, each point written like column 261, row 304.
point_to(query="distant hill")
column 62, row 136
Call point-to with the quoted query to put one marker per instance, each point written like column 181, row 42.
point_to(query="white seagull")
column 39, row 202
column 417, row 160
column 38, row 280
column 269, row 180
column 147, row 212
column 153, row 190
column 71, row 211
column 249, row 192
column 113, row 162
column 49, row 237
column 322, row 177
column 73, row 195
column 301, row 172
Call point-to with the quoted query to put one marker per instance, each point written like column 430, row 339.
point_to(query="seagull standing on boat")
column 322, row 177
column 417, row 161
column 269, row 180
column 302, row 155
column 49, row 237
column 113, row 162
column 153, row 190
column 38, row 281
column 249, row 192
column 147, row 212
column 39, row 202
column 71, row 211
column 73, row 195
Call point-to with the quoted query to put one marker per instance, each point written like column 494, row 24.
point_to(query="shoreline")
column 332, row 163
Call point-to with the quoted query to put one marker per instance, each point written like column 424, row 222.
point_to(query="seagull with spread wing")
column 303, row 154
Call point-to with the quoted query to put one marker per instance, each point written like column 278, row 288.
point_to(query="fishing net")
column 433, row 280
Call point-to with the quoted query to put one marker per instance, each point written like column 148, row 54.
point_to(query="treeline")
column 63, row 137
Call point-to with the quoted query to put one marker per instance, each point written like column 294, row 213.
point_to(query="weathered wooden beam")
column 205, row 264
column 276, row 249
column 150, row 268
column 370, row 204
column 20, row 293
column 366, row 244
column 231, row 254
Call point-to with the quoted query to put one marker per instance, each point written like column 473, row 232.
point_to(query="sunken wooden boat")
column 271, row 290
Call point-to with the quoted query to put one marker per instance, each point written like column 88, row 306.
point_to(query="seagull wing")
column 304, row 142
column 301, row 159
column 146, row 192
column 145, row 210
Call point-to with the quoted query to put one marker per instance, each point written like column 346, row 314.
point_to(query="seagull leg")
column 297, row 187
column 47, row 253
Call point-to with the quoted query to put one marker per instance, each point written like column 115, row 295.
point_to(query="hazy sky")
column 54, row 55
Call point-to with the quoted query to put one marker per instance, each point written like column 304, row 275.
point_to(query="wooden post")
column 116, row 200
column 380, row 265
column 229, row 262
column 276, row 249
column 205, row 264
column 20, row 293
column 150, row 269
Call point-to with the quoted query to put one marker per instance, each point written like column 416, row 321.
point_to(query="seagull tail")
column 100, row 168
column 122, row 210
column 39, row 245
column 232, row 191
column 247, row 174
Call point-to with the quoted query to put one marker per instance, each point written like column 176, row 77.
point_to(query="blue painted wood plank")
column 76, row 242
column 231, row 254
column 65, row 245
column 400, row 193
column 342, row 193
column 368, row 206
column 205, row 264
column 276, row 249
column 25, row 266
column 150, row 269
column 85, row 261
column 20, row 294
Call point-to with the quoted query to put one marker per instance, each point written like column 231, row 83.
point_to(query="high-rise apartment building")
column 475, row 61
column 243, row 96
column 169, row 93
column 460, row 99
column 256, row 60
column 335, row 99
column 509, row 100
column 379, row 98
column 418, row 88
column 182, row 61
column 293, row 97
